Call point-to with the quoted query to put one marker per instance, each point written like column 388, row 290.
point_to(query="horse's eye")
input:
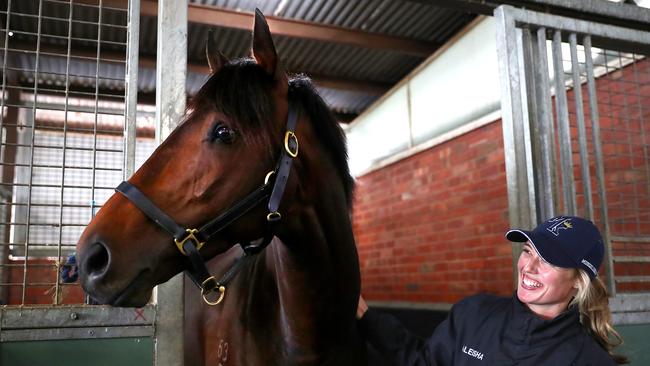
column 222, row 133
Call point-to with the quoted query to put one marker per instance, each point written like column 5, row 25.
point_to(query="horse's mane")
column 241, row 91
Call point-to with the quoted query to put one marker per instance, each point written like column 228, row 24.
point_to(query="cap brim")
column 542, row 246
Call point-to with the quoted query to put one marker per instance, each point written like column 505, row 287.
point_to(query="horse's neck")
column 317, row 276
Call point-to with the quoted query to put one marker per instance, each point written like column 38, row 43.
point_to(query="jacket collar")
column 535, row 329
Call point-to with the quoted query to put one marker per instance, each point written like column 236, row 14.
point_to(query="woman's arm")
column 389, row 336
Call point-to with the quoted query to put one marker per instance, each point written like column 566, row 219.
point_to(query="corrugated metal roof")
column 323, row 60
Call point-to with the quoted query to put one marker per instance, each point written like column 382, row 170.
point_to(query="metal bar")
column 582, row 131
column 631, row 239
column 52, row 107
column 87, row 40
column 566, row 158
column 57, row 186
column 631, row 259
column 65, row 135
column 615, row 35
column 4, row 70
column 64, row 167
column 77, row 148
column 170, row 108
column 512, row 117
column 76, row 333
column 632, row 279
column 599, row 164
column 45, row 224
column 74, row 316
column 546, row 132
column 524, row 53
column 131, row 97
column 75, row 21
column 31, row 160
column 54, row 54
column 99, row 37
column 4, row 253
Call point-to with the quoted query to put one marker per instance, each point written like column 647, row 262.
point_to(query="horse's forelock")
column 242, row 91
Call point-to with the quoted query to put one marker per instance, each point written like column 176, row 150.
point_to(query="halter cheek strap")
column 190, row 241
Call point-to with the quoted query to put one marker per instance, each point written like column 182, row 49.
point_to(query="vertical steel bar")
column 4, row 251
column 599, row 164
column 512, row 117
column 529, row 114
column 566, row 155
column 582, row 131
column 130, row 123
column 4, row 68
column 171, row 70
column 548, row 160
column 93, row 201
column 65, row 141
column 31, row 149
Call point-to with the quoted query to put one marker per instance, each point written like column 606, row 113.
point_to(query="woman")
column 558, row 316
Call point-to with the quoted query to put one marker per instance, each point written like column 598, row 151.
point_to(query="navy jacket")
column 488, row 330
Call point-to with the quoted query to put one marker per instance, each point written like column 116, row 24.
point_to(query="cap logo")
column 591, row 267
column 560, row 223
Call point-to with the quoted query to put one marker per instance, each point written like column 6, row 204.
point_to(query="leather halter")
column 190, row 241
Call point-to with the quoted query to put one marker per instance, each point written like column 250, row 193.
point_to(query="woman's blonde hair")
column 593, row 303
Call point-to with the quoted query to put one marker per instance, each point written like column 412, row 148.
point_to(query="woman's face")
column 543, row 287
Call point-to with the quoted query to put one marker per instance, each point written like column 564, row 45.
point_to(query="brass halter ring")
column 288, row 136
column 218, row 287
column 190, row 236
column 273, row 216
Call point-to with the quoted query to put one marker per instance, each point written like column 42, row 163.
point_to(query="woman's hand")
column 362, row 307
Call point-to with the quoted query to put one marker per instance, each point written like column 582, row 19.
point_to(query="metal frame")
column 60, row 322
column 529, row 142
column 171, row 72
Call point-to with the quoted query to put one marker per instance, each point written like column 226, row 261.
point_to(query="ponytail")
column 593, row 303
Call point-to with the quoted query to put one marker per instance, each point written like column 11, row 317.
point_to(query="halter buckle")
column 211, row 285
column 190, row 236
column 289, row 140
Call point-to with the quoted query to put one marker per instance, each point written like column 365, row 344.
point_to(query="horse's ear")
column 216, row 59
column 263, row 48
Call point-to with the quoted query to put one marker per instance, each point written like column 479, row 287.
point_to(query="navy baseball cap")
column 565, row 241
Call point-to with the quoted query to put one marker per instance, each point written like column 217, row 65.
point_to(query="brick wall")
column 430, row 228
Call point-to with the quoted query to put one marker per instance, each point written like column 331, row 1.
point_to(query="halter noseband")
column 190, row 241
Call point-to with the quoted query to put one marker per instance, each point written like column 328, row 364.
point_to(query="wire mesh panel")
column 62, row 123
column 577, row 128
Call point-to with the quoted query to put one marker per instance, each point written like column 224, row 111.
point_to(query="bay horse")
column 258, row 161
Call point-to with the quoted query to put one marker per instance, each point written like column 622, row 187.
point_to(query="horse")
column 261, row 164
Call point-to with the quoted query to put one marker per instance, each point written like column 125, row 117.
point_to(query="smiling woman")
column 559, row 314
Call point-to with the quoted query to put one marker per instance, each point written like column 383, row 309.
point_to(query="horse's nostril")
column 97, row 260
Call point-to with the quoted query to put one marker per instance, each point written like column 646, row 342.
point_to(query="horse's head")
column 222, row 151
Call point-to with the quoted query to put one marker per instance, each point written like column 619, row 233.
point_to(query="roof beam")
column 362, row 86
column 226, row 18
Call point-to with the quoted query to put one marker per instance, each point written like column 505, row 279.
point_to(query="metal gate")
column 576, row 124
column 68, row 137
